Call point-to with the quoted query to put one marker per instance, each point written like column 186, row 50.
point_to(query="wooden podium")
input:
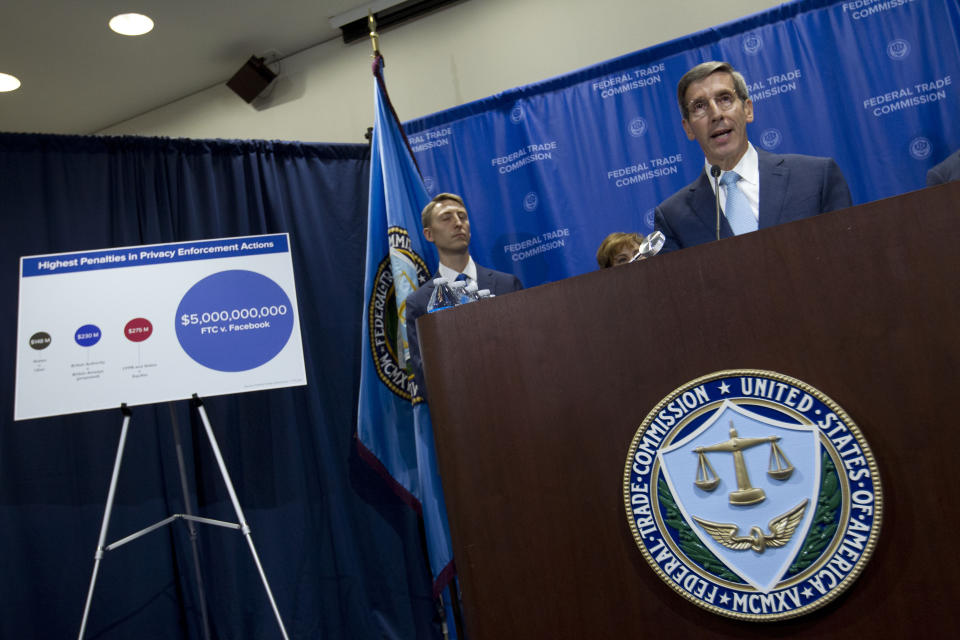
column 535, row 398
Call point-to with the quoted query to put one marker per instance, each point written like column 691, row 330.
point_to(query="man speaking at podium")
column 757, row 189
column 447, row 226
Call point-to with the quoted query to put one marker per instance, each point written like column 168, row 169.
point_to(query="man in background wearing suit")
column 946, row 171
column 446, row 225
column 759, row 189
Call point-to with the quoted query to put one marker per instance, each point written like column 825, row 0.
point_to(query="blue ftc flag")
column 393, row 424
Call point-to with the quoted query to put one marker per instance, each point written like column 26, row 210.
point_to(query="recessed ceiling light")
column 131, row 24
column 8, row 82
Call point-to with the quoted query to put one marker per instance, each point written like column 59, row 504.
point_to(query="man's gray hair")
column 703, row 70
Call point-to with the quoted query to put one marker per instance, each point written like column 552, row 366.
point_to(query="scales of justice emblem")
column 770, row 470
column 781, row 528
column 752, row 495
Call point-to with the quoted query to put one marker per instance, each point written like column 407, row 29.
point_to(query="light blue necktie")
column 737, row 209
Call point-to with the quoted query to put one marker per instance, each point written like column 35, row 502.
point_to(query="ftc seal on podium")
column 753, row 495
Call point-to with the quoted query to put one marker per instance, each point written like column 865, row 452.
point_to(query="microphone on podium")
column 650, row 246
column 715, row 172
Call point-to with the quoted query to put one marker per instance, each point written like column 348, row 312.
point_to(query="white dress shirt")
column 749, row 171
column 451, row 274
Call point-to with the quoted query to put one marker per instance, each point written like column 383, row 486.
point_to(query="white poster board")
column 155, row 323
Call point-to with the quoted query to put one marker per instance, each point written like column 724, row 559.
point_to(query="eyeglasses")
column 698, row 108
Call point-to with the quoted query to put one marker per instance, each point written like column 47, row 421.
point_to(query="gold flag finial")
column 374, row 37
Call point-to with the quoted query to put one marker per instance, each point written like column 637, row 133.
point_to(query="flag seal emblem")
column 399, row 273
column 753, row 495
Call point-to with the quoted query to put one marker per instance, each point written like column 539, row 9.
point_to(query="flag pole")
column 374, row 36
column 456, row 613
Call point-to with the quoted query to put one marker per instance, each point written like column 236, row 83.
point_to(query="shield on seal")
column 747, row 484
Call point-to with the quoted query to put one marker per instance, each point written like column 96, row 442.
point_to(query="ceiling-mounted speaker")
column 252, row 78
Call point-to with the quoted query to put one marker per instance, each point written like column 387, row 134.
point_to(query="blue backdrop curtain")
column 342, row 553
column 548, row 170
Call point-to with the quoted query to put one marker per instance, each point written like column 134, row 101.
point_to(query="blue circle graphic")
column 234, row 320
column 87, row 335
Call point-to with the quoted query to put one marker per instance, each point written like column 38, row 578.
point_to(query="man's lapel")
column 774, row 177
column 484, row 278
column 704, row 205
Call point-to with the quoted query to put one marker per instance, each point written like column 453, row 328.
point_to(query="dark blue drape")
column 549, row 169
column 343, row 555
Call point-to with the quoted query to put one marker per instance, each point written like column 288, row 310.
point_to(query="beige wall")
column 458, row 54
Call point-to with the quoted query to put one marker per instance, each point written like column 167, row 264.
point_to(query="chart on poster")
column 146, row 324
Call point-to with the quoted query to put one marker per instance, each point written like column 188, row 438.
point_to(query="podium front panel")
column 536, row 396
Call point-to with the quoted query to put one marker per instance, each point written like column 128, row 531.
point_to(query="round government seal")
column 530, row 201
column 637, row 127
column 398, row 275
column 752, row 43
column 771, row 138
column 920, row 148
column 650, row 218
column 898, row 49
column 753, row 495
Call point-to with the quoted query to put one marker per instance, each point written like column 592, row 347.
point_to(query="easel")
column 190, row 519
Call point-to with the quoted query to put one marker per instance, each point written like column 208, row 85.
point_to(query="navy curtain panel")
column 343, row 555
column 548, row 170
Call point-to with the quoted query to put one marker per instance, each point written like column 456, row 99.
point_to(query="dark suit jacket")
column 791, row 187
column 946, row 171
column 497, row 282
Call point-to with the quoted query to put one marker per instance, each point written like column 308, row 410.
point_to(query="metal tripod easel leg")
column 190, row 519
column 98, row 555
column 191, row 526
column 244, row 527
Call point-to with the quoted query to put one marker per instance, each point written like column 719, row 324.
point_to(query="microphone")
column 650, row 246
column 715, row 172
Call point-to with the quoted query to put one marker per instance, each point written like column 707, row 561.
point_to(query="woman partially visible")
column 618, row 248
